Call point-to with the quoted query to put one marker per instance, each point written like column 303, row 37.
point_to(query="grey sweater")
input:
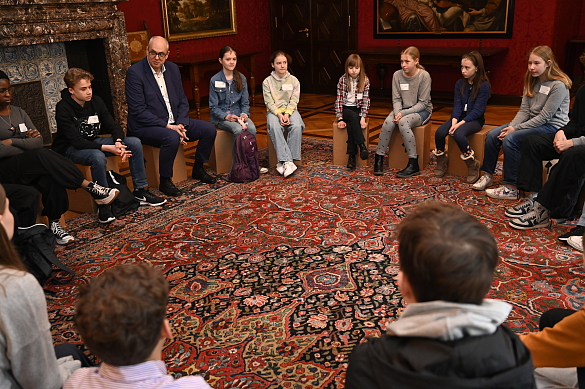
column 19, row 140
column 543, row 108
column 418, row 96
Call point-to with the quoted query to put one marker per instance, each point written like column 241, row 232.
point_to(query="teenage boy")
column 449, row 335
column 121, row 319
column 80, row 119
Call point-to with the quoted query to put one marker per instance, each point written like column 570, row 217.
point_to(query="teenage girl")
column 351, row 107
column 228, row 96
column 412, row 107
column 544, row 109
column 281, row 92
column 471, row 95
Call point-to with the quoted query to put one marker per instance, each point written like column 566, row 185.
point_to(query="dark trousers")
column 24, row 204
column 168, row 141
column 561, row 191
column 460, row 134
column 46, row 170
column 67, row 349
column 355, row 136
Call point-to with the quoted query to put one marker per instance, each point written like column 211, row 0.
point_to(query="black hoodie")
column 73, row 128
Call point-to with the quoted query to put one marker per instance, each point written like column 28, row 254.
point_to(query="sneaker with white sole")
column 263, row 170
column 105, row 214
column 520, row 209
column 289, row 168
column 503, row 192
column 575, row 231
column 101, row 194
column 576, row 242
column 148, row 198
column 280, row 168
column 538, row 217
column 61, row 236
column 483, row 182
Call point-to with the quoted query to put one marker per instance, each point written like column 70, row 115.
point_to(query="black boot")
column 410, row 170
column 379, row 165
column 364, row 154
column 199, row 173
column 351, row 162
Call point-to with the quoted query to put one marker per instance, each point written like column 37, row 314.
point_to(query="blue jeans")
column 96, row 160
column 288, row 149
column 511, row 144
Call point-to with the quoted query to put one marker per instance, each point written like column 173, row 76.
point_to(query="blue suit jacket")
column 146, row 106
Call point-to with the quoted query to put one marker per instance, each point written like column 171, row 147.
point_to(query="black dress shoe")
column 364, row 153
column 168, row 188
column 201, row 175
column 351, row 162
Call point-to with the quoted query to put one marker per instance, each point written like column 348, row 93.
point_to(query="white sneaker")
column 483, row 182
column 503, row 192
column 521, row 209
column 289, row 168
column 280, row 168
column 576, row 242
column 263, row 170
column 62, row 237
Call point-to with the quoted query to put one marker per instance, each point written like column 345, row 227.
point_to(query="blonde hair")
column 552, row 72
column 356, row 61
column 414, row 53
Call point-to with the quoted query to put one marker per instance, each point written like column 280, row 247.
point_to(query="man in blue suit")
column 158, row 114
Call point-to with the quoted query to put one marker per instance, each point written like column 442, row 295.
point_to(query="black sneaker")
column 520, row 209
column 61, row 236
column 575, row 231
column 147, row 198
column 105, row 214
column 101, row 194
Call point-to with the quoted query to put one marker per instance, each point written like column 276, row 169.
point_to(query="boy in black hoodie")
column 80, row 119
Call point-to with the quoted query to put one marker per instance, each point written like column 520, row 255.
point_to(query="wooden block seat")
column 397, row 157
column 220, row 159
column 340, row 145
column 80, row 200
column 151, row 155
column 456, row 165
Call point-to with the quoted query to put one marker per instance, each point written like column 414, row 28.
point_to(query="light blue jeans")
column 288, row 149
column 96, row 160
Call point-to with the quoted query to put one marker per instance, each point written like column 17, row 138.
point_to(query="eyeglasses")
column 7, row 90
column 155, row 54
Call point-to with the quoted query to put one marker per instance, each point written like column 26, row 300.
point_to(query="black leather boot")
column 351, row 162
column 410, row 170
column 200, row 174
column 364, row 154
column 379, row 165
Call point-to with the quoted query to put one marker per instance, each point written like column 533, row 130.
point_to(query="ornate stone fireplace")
column 61, row 25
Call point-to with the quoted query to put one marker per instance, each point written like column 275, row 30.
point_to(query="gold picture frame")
column 196, row 19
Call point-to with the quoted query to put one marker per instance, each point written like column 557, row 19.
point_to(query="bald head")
column 158, row 52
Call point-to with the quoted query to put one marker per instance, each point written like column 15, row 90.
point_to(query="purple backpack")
column 246, row 164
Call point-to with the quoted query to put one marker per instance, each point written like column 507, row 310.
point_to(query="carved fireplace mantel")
column 30, row 22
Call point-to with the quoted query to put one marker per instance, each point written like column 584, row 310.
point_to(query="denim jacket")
column 220, row 97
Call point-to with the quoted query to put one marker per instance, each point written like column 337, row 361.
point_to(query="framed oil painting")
column 193, row 19
column 443, row 18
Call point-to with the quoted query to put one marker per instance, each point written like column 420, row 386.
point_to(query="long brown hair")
column 356, row 61
column 8, row 256
column 239, row 85
column 552, row 72
column 414, row 53
column 480, row 75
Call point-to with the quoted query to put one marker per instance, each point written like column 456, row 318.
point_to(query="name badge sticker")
column 404, row 86
column 220, row 84
column 22, row 127
column 287, row 87
column 465, row 108
column 93, row 119
column 359, row 96
column 545, row 90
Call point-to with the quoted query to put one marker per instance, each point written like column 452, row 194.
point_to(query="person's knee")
column 97, row 158
column 170, row 139
column 132, row 143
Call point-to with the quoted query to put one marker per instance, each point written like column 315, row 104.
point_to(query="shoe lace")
column 100, row 190
column 58, row 230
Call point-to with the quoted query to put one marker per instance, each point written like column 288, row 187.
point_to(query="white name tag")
column 359, row 96
column 465, row 108
column 220, row 84
column 22, row 127
column 404, row 86
column 93, row 119
column 287, row 87
column 545, row 90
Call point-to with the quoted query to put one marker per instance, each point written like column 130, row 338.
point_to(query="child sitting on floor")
column 121, row 318
column 449, row 335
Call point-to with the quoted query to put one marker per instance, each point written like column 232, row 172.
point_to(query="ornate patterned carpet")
column 276, row 281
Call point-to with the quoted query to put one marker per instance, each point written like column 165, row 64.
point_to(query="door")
column 317, row 34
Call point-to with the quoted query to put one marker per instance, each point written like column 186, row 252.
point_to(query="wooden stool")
column 340, row 145
column 80, row 200
column 220, row 159
column 456, row 165
column 398, row 159
column 151, row 155
column 272, row 158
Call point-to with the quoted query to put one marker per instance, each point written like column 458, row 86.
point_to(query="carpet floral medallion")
column 276, row 281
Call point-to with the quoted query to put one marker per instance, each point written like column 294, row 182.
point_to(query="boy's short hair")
column 120, row 314
column 74, row 75
column 446, row 254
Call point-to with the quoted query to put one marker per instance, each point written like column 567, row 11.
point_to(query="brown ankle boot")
column 442, row 161
column 472, row 168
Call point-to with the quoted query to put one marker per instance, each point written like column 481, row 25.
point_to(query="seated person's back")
column 448, row 336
